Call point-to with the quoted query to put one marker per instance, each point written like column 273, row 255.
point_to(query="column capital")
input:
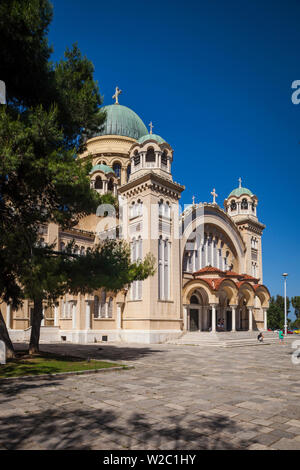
column 233, row 306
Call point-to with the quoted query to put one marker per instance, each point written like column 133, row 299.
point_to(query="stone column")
column 56, row 308
column 213, row 318
column 185, row 318
column 233, row 312
column 74, row 316
column 43, row 319
column 119, row 315
column 88, row 314
column 8, row 316
column 250, row 318
column 199, row 319
column 265, row 319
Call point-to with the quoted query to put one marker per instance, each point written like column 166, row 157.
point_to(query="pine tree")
column 52, row 109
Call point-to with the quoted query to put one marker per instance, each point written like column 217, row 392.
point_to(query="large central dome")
column 121, row 120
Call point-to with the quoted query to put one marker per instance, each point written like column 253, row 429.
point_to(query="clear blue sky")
column 215, row 78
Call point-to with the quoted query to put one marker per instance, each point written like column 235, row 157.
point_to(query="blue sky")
column 215, row 78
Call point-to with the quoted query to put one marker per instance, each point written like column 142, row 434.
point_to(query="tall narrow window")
column 103, row 304
column 128, row 172
column 110, row 307
column 96, row 306
column 150, row 155
column 98, row 183
column 117, row 169
column 163, row 269
column 244, row 204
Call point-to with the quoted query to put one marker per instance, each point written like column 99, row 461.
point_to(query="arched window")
column 82, row 251
column 76, row 250
column 136, row 158
column 164, row 158
column 110, row 185
column 150, row 155
column 103, row 304
column 128, row 172
column 98, row 183
column 163, row 269
column 233, row 205
column 194, row 300
column 253, row 207
column 244, row 204
column 96, row 306
column 110, row 307
column 117, row 169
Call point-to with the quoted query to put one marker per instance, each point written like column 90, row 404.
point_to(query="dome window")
column 164, row 159
column 244, row 204
column 137, row 159
column 150, row 155
column 117, row 169
column 98, row 183
column 233, row 206
column 110, row 185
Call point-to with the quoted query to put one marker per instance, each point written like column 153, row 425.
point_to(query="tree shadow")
column 62, row 429
column 96, row 351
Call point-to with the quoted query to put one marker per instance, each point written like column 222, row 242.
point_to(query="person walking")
column 280, row 336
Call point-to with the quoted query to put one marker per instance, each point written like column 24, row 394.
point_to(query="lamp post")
column 285, row 275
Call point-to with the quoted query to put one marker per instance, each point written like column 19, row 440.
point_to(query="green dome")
column 121, row 120
column 104, row 168
column 156, row 137
column 239, row 191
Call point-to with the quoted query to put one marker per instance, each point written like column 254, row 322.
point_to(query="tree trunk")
column 36, row 320
column 4, row 336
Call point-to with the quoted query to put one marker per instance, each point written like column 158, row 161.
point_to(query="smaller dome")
column 155, row 137
column 104, row 168
column 239, row 191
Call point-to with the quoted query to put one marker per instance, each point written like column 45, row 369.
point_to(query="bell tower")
column 150, row 223
column 241, row 206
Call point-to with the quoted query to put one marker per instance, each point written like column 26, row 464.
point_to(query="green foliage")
column 51, row 110
column 296, row 304
column 276, row 312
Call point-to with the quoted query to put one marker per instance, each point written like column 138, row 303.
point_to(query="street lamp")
column 285, row 275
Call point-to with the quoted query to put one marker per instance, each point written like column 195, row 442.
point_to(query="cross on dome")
column 151, row 127
column 240, row 182
column 193, row 198
column 116, row 95
column 214, row 194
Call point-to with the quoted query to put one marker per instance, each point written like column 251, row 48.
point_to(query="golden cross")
column 214, row 194
column 116, row 95
column 151, row 127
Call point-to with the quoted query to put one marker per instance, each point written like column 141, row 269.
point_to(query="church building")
column 209, row 276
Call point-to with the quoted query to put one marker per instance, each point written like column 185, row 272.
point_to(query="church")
column 209, row 276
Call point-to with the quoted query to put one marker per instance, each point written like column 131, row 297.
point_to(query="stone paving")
column 176, row 397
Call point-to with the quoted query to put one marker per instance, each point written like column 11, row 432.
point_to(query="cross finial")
column 151, row 127
column 214, row 194
column 116, row 95
column 193, row 198
column 240, row 182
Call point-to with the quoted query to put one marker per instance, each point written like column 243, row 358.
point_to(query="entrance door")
column 228, row 320
column 194, row 320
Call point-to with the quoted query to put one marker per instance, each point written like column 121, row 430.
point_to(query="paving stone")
column 174, row 398
column 286, row 444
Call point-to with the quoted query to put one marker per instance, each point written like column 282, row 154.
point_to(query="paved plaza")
column 176, row 397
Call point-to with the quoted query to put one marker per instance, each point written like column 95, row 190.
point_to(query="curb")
column 63, row 374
